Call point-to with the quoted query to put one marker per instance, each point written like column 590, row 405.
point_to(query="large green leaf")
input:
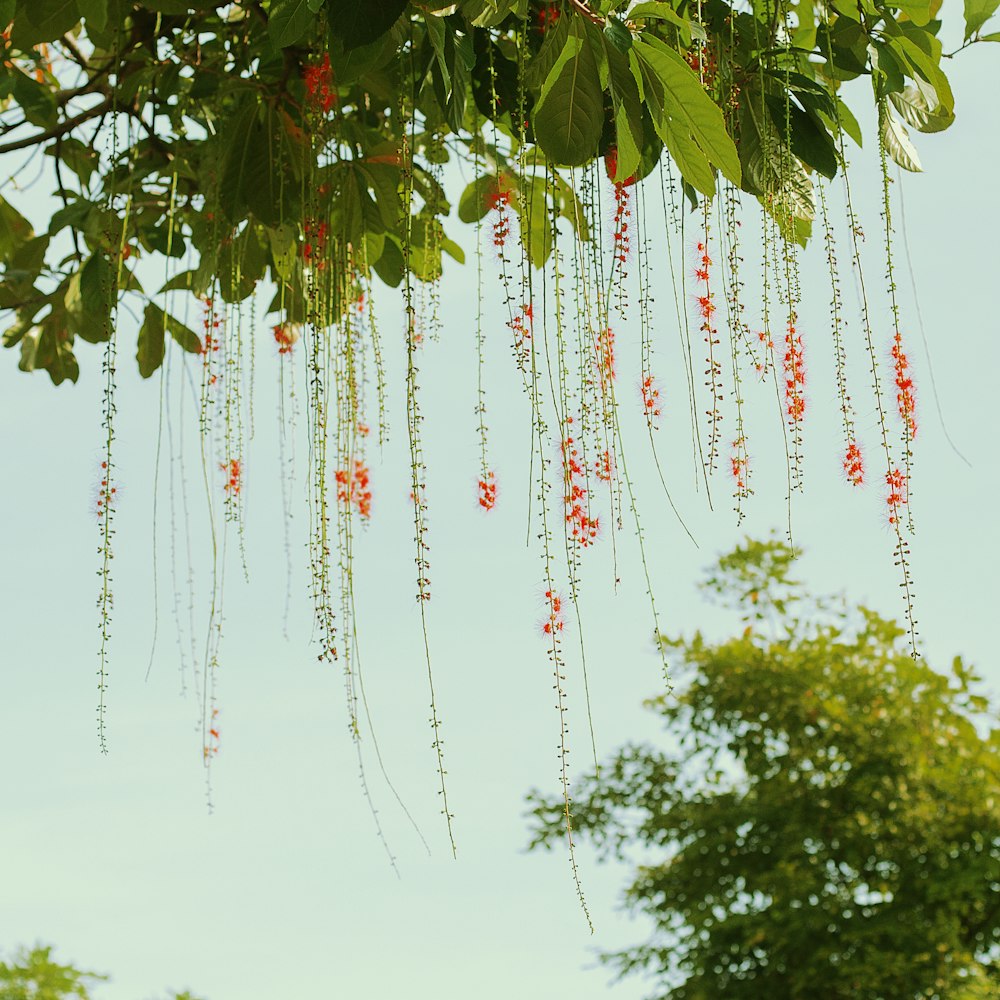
column 48, row 20
column 259, row 161
column 358, row 24
column 569, row 116
column 628, row 114
column 812, row 144
column 686, row 104
column 288, row 21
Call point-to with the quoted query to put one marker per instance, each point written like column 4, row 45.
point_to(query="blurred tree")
column 33, row 975
column 824, row 821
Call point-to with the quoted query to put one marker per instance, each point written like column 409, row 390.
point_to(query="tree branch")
column 57, row 130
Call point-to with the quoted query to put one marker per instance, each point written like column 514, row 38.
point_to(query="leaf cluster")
column 196, row 132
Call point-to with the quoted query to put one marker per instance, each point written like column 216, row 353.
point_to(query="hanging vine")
column 296, row 156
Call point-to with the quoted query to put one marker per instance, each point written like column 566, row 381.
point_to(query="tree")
column 824, row 820
column 34, row 975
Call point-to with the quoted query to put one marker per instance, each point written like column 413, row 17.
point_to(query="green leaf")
column 628, row 114
column 897, row 142
column 149, row 352
column 691, row 161
column 95, row 13
column 389, row 267
column 35, row 100
column 288, row 21
column 977, row 13
column 922, row 64
column 259, row 155
column 687, row 105
column 918, row 11
column 14, row 229
column 361, row 23
column 915, row 107
column 184, row 337
column 536, row 222
column 51, row 19
column 569, row 116
column 810, row 143
column 663, row 12
column 89, row 300
column 618, row 35
column 552, row 47
column 284, row 244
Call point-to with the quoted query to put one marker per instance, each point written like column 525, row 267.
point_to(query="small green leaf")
column 897, row 142
column 977, row 13
column 14, row 229
column 149, row 352
column 186, row 338
column 618, row 35
column 284, row 244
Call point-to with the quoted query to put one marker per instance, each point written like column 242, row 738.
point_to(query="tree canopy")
column 822, row 818
column 223, row 130
column 34, row 974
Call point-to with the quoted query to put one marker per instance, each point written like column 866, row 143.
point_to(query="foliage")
column 825, row 818
column 206, row 133
column 34, row 975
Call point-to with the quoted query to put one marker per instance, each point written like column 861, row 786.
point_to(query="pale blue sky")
column 285, row 890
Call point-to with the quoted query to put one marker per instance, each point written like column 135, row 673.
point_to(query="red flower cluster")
column 285, row 336
column 547, row 17
column 604, row 348
column 611, row 167
column 498, row 201
column 740, row 466
column 854, row 464
column 906, row 400
column 702, row 60
column 521, row 325
column 623, row 212
column 603, row 466
column 234, row 476
column 315, row 245
column 583, row 527
column 768, row 344
column 488, row 490
column 211, row 749
column 353, row 488
column 555, row 622
column 106, row 495
column 319, row 86
column 793, row 365
column 650, row 397
column 898, row 494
